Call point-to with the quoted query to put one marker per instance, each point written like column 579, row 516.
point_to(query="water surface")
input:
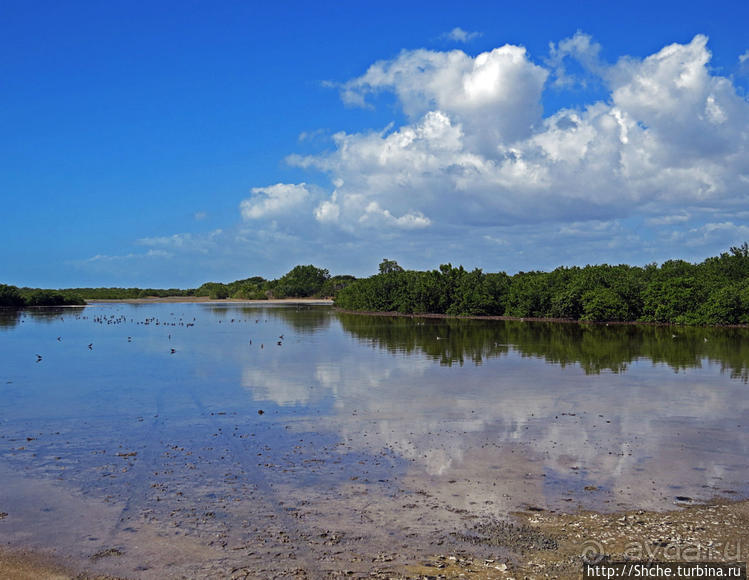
column 190, row 439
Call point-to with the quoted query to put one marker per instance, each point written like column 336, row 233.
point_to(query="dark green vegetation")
column 300, row 282
column 12, row 297
column 715, row 291
column 127, row 293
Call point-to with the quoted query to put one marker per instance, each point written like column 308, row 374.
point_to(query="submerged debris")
column 106, row 553
column 516, row 537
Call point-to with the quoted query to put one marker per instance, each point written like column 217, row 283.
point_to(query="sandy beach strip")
column 207, row 300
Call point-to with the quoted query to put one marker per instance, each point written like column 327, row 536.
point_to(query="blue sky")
column 170, row 143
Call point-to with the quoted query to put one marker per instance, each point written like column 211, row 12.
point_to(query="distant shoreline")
column 385, row 314
column 206, row 299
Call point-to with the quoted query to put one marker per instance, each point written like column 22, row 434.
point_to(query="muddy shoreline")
column 391, row 314
column 206, row 299
column 530, row 544
column 28, row 565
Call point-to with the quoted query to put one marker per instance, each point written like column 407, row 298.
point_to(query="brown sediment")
column 532, row 544
column 558, row 545
column 26, row 565
column 714, row 532
column 393, row 314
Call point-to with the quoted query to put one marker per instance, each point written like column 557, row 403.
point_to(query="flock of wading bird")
column 114, row 320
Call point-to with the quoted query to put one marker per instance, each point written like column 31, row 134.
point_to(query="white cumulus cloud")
column 474, row 171
column 375, row 215
column 327, row 211
column 476, row 149
column 495, row 95
column 477, row 163
column 273, row 200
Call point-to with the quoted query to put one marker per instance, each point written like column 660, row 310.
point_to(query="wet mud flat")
column 187, row 508
column 392, row 540
column 229, row 498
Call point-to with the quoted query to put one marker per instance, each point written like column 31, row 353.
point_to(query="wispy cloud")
column 667, row 220
column 202, row 244
column 580, row 49
column 744, row 63
column 457, row 34
column 129, row 256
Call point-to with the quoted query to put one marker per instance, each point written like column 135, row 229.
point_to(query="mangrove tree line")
column 715, row 291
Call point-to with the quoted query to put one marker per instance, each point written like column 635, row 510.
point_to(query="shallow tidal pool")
column 211, row 440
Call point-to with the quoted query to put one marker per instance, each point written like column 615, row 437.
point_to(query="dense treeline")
column 12, row 297
column 123, row 293
column 715, row 291
column 299, row 282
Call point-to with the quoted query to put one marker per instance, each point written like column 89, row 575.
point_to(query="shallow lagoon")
column 355, row 439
